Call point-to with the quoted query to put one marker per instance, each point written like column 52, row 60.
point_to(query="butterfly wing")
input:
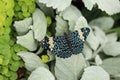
column 65, row 46
column 76, row 42
column 61, row 48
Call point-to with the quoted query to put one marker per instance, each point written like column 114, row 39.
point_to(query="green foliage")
column 24, row 8
column 9, row 60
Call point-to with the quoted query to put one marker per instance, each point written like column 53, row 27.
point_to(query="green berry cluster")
column 24, row 8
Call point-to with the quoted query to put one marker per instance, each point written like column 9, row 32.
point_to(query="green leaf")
column 69, row 68
column 27, row 41
column 11, row 42
column 105, row 23
column 16, row 47
column 95, row 73
column 1, row 59
column 104, row 5
column 61, row 26
column 32, row 61
column 13, row 76
column 112, row 48
column 49, row 20
column 71, row 14
column 41, row 73
column 56, row 4
column 1, row 77
column 15, row 57
column 7, row 23
column 4, row 70
column 5, row 37
column 111, row 65
column 23, row 26
column 39, row 25
column 14, row 66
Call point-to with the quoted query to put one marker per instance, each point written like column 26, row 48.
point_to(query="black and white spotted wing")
column 65, row 46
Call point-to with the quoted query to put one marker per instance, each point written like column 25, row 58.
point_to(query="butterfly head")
column 85, row 32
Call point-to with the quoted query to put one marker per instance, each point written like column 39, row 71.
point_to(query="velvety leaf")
column 47, row 10
column 56, row 4
column 98, row 60
column 112, row 37
column 27, row 41
column 22, row 26
column 87, row 51
column 112, row 65
column 39, row 24
column 105, row 23
column 41, row 73
column 71, row 14
column 61, row 26
column 100, row 35
column 32, row 61
column 80, row 23
column 109, row 6
column 51, row 55
column 92, row 40
column 95, row 73
column 69, row 68
column 112, row 48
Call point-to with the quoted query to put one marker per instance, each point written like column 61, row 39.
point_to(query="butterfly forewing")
column 76, row 42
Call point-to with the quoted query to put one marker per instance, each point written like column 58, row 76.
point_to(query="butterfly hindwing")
column 61, row 48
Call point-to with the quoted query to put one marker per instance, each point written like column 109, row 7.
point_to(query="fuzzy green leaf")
column 47, row 10
column 41, row 73
column 112, row 37
column 39, row 25
column 32, row 61
column 27, row 41
column 71, row 14
column 95, row 73
column 80, row 23
column 92, row 40
column 56, row 4
column 112, row 48
column 112, row 65
column 109, row 6
column 71, row 67
column 105, row 23
column 61, row 26
column 98, row 60
column 23, row 26
column 87, row 51
column 100, row 35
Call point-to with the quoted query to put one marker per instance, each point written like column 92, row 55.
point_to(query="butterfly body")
column 65, row 46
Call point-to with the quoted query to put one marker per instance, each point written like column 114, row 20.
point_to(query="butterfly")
column 68, row 44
